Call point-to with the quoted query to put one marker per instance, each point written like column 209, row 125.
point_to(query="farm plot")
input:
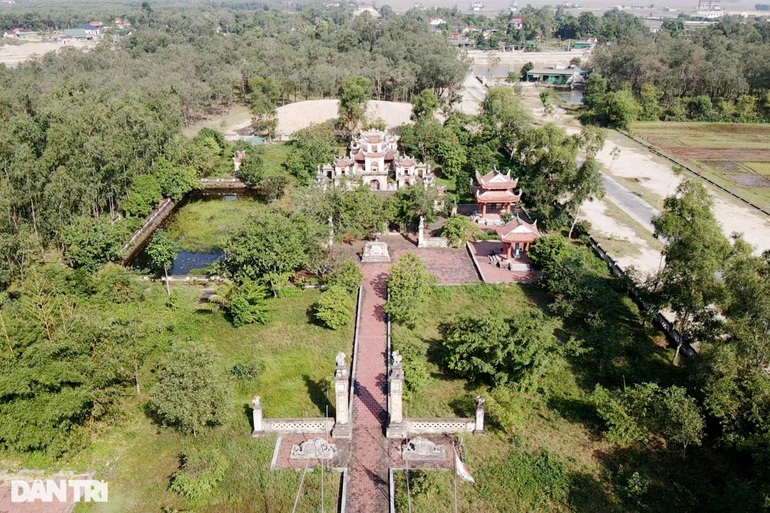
column 736, row 156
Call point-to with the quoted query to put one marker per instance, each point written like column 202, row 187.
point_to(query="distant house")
column 436, row 22
column 89, row 29
column 21, row 33
column 77, row 33
column 458, row 39
column 362, row 8
column 585, row 43
column 553, row 76
column 516, row 24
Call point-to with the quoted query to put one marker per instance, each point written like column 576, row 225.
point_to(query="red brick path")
column 368, row 482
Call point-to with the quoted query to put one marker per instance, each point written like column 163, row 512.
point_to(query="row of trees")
column 719, row 73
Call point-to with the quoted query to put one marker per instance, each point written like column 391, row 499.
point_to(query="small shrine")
column 517, row 236
column 494, row 192
column 375, row 161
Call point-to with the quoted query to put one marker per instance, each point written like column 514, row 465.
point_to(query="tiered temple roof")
column 496, row 188
column 375, row 160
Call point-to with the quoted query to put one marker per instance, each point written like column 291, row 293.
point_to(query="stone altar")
column 376, row 252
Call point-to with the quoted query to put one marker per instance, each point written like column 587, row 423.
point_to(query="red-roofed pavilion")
column 495, row 190
column 517, row 236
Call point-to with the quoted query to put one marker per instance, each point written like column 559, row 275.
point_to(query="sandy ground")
column 12, row 55
column 643, row 258
column 657, row 178
column 299, row 115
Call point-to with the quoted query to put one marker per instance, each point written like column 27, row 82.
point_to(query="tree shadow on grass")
column 317, row 391
column 248, row 412
column 464, row 407
column 576, row 410
column 588, row 494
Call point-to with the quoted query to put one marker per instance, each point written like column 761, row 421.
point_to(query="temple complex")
column 517, row 235
column 494, row 192
column 375, row 161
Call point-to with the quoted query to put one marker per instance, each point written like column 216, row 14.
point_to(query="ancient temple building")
column 517, row 235
column 494, row 192
column 375, row 161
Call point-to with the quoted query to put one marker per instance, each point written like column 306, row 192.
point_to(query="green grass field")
column 295, row 359
column 552, row 457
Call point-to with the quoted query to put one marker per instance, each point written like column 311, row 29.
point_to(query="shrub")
column 91, row 242
column 416, row 373
column 347, row 275
column 517, row 351
column 247, row 304
column 459, row 230
column 200, row 474
column 408, row 285
column 244, row 371
column 190, row 394
column 334, row 308
column 271, row 188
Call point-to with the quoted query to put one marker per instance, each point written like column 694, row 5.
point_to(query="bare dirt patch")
column 12, row 55
column 299, row 115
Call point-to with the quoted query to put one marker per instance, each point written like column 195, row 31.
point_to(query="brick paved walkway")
column 368, row 484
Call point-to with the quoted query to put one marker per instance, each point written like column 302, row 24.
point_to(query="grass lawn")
column 274, row 157
column 551, row 457
column 203, row 224
column 295, row 358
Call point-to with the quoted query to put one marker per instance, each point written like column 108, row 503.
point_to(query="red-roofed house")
column 495, row 192
column 517, row 236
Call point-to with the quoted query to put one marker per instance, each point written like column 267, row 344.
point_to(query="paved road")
column 638, row 209
column 641, row 211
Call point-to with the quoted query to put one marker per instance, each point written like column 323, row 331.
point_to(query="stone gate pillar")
column 257, row 417
column 341, row 393
column 421, row 233
column 396, row 426
column 479, row 429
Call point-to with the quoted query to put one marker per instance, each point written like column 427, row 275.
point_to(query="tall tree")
column 162, row 251
column 354, row 93
column 696, row 251
column 269, row 247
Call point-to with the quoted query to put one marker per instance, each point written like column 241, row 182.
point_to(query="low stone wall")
column 419, row 426
column 298, row 426
column 222, row 183
column 156, row 219
column 434, row 242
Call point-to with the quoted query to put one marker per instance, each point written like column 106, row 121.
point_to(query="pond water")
column 572, row 97
column 188, row 261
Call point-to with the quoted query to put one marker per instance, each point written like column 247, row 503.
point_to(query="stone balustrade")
column 321, row 425
column 429, row 426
